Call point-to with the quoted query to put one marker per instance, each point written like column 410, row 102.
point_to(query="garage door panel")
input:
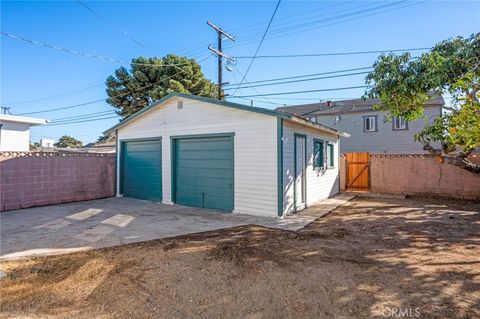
column 142, row 169
column 204, row 172
column 206, row 155
column 201, row 144
column 141, row 146
column 208, row 165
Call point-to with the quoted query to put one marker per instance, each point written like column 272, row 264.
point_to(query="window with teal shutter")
column 318, row 154
column 330, row 155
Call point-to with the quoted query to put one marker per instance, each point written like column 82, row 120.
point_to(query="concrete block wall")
column 36, row 179
column 421, row 175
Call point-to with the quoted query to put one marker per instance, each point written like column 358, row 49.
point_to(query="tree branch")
column 463, row 164
column 460, row 160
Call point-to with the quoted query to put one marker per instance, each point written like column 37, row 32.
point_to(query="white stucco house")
column 15, row 132
column 201, row 152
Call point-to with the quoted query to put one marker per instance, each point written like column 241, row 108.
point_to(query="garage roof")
column 277, row 114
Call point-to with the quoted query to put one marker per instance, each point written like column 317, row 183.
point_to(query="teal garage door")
column 203, row 172
column 142, row 169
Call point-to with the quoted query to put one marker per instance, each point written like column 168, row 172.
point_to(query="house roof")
column 260, row 110
column 22, row 119
column 345, row 106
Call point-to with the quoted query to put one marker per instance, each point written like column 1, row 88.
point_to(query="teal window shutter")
column 318, row 154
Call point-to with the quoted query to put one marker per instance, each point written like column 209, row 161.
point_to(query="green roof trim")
column 238, row 106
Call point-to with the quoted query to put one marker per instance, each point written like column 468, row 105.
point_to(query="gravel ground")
column 371, row 258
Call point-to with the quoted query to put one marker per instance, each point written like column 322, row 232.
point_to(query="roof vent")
column 180, row 105
column 329, row 103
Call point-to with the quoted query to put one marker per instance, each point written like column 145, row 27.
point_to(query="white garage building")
column 229, row 157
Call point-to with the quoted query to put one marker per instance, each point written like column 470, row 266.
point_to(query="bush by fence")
column 37, row 179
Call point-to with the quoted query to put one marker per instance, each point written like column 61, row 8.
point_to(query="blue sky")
column 35, row 78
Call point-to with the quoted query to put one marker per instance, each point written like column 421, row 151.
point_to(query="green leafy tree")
column 69, row 142
column 105, row 139
column 403, row 84
column 150, row 79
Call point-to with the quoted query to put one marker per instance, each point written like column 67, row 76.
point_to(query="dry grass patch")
column 359, row 261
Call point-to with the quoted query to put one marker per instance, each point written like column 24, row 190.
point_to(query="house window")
column 318, row 157
column 330, row 156
column 369, row 123
column 399, row 123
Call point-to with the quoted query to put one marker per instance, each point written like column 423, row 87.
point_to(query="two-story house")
column 368, row 129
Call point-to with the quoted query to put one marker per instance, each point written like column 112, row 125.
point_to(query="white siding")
column 385, row 139
column 255, row 147
column 14, row 137
column 321, row 184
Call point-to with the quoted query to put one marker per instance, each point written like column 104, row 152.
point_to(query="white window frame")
column 398, row 120
column 371, row 119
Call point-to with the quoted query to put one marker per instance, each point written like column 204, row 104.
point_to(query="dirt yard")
column 368, row 259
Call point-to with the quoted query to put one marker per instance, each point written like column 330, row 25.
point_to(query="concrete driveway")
column 115, row 221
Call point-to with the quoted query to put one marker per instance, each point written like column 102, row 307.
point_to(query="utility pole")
column 220, row 55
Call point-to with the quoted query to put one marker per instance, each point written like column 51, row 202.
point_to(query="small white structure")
column 15, row 132
column 47, row 143
column 230, row 157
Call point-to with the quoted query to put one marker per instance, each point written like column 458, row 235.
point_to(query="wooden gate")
column 357, row 171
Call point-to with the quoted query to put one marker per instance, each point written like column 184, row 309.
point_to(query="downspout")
column 117, row 158
column 1, row 125
column 280, row 166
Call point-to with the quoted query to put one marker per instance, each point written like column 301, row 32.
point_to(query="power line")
column 357, row 15
column 330, row 54
column 123, row 32
column 56, row 95
column 354, row 18
column 259, row 25
column 87, row 115
column 301, row 80
column 295, row 23
column 96, row 101
column 309, row 75
column 255, row 26
column 63, row 108
column 88, row 55
column 343, row 15
column 83, row 121
column 269, row 101
column 260, row 44
column 307, row 91
column 313, row 98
